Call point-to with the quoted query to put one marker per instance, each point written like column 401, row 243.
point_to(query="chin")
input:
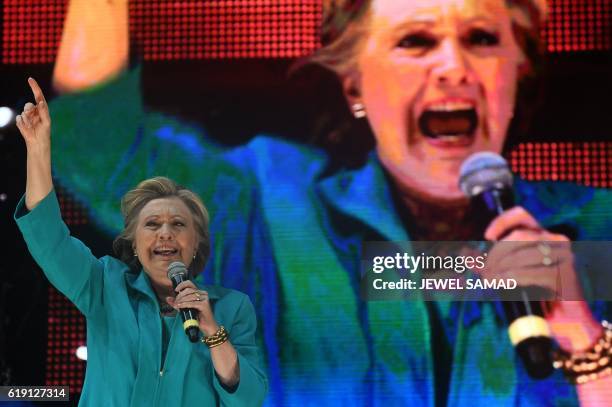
column 440, row 188
column 450, row 196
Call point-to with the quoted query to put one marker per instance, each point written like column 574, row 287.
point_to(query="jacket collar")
column 365, row 194
column 142, row 283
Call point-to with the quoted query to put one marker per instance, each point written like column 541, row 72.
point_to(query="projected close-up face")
column 438, row 82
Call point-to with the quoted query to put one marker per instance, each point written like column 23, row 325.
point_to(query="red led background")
column 225, row 29
column 579, row 25
column 212, row 29
column 65, row 325
column 587, row 163
column 66, row 328
column 73, row 213
column 31, row 30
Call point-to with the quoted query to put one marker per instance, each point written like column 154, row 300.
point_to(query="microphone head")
column 176, row 268
column 484, row 171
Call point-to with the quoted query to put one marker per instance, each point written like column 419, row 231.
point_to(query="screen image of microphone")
column 486, row 179
column 177, row 273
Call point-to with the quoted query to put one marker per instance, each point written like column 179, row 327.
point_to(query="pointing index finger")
column 38, row 94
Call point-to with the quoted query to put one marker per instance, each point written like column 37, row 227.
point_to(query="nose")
column 165, row 232
column 452, row 68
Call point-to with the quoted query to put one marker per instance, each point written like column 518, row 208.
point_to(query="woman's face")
column 165, row 233
column 438, row 82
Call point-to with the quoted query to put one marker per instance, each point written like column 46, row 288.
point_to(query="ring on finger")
column 545, row 249
column 197, row 294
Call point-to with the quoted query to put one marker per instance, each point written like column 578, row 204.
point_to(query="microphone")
column 486, row 179
column 177, row 273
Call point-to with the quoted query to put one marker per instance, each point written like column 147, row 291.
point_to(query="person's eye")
column 151, row 224
column 179, row 223
column 418, row 41
column 482, row 38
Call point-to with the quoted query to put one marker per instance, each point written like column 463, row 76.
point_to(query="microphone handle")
column 528, row 330
column 189, row 316
column 530, row 335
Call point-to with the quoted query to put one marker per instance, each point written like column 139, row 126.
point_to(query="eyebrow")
column 412, row 24
column 423, row 20
column 427, row 20
column 481, row 18
column 155, row 216
column 418, row 21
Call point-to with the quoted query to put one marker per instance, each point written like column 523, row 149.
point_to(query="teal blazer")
column 124, row 327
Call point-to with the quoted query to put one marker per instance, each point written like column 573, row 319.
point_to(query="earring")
column 135, row 254
column 194, row 256
column 358, row 110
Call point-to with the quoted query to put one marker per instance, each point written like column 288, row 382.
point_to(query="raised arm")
column 94, row 46
column 35, row 127
column 68, row 263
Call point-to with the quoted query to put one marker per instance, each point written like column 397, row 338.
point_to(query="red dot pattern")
column 225, row 29
column 230, row 29
column 579, row 25
column 66, row 332
column 32, row 30
column 73, row 212
column 587, row 163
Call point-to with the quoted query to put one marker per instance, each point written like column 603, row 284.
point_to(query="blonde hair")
column 146, row 191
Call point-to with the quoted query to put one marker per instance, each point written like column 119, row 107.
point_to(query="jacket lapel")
column 400, row 338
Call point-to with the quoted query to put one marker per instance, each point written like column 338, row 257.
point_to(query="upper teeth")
column 450, row 106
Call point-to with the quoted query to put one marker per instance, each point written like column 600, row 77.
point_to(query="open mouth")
column 165, row 252
column 453, row 124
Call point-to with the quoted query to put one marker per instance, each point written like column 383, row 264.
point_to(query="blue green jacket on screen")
column 289, row 233
column 124, row 348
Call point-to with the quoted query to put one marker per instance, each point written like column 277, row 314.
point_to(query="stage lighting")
column 81, row 352
column 6, row 115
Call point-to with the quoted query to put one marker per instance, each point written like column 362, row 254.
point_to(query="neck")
column 161, row 292
column 162, row 289
column 435, row 218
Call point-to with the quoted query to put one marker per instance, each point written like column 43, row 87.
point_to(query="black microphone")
column 177, row 273
column 486, row 179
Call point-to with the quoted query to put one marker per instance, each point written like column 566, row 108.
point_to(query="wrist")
column 573, row 326
column 590, row 364
column 39, row 151
column 218, row 338
column 210, row 329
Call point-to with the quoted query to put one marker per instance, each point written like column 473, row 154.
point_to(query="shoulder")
column 274, row 157
column 547, row 197
column 585, row 208
column 113, row 263
column 219, row 293
column 229, row 305
column 116, row 272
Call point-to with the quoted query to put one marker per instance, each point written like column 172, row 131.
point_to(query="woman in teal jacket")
column 137, row 352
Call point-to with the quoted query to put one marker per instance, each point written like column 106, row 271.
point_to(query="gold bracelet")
column 216, row 339
column 591, row 364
